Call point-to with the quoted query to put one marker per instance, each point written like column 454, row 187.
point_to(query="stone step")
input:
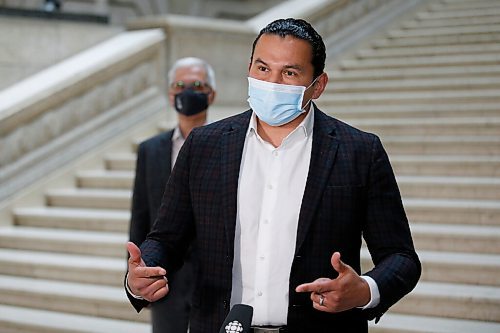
column 412, row 97
column 422, row 61
column 443, row 40
column 105, row 179
column 64, row 267
column 26, row 320
column 453, row 211
column 462, row 268
column 387, row 73
column 89, row 198
column 453, row 14
column 414, row 85
column 68, row 297
column 348, row 113
column 467, row 5
column 442, row 145
column 452, row 267
column 439, row 165
column 445, row 31
column 427, row 50
column 452, row 301
column 122, row 161
column 73, row 218
column 401, row 323
column 448, row 187
column 451, row 22
column 458, row 238
column 95, row 243
column 478, row 126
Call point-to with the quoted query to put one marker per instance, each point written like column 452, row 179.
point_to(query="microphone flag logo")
column 234, row 327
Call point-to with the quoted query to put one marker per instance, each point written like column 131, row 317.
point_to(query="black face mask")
column 190, row 102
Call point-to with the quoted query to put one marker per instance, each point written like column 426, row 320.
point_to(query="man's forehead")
column 288, row 51
column 190, row 71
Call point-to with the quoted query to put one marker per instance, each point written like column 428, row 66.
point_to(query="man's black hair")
column 301, row 29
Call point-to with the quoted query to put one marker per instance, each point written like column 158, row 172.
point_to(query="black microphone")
column 238, row 320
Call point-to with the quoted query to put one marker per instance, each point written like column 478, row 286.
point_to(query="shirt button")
column 259, row 293
column 262, row 257
column 275, row 153
column 266, row 221
column 270, row 186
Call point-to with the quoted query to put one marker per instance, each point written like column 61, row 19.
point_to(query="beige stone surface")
column 44, row 43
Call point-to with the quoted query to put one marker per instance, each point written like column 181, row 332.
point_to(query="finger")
column 323, row 308
column 338, row 264
column 151, row 291
column 143, row 283
column 320, row 303
column 315, row 297
column 319, row 285
column 160, row 293
column 135, row 254
column 149, row 272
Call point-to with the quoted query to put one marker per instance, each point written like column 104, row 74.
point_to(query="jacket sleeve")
column 387, row 235
column 173, row 230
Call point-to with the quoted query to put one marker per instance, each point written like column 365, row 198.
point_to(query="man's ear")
column 320, row 85
column 211, row 96
column 171, row 99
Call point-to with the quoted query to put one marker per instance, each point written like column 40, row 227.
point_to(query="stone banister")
column 48, row 119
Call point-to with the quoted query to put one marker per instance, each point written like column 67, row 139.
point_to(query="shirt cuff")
column 129, row 291
column 374, row 292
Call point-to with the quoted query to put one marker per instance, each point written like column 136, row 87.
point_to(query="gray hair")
column 190, row 62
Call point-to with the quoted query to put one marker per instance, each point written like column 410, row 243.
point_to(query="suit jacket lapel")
column 324, row 149
column 166, row 162
column 233, row 140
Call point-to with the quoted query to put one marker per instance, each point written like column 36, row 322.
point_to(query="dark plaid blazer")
column 350, row 192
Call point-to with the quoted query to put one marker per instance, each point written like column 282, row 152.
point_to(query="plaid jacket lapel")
column 232, row 143
column 323, row 154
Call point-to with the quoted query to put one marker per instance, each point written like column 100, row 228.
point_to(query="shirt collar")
column 177, row 134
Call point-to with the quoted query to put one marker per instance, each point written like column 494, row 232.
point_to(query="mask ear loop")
column 306, row 107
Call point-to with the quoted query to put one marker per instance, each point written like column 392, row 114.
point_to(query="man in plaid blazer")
column 277, row 200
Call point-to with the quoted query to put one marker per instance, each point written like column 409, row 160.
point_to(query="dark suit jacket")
column 350, row 192
column 154, row 162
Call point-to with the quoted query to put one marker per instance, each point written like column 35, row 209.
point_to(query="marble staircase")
column 429, row 87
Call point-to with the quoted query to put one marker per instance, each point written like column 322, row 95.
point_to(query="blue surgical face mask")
column 276, row 104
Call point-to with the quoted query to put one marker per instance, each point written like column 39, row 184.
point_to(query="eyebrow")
column 258, row 60
column 296, row 67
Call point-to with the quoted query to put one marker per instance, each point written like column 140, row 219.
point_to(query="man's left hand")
column 345, row 292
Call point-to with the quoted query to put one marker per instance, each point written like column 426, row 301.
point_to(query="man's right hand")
column 147, row 282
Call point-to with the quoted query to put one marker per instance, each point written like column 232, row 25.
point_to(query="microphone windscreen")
column 238, row 319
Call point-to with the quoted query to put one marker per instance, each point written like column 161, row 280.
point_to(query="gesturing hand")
column 148, row 282
column 345, row 292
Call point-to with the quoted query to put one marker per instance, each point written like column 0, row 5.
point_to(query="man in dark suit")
column 277, row 200
column 191, row 91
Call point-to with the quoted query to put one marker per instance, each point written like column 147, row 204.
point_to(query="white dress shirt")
column 270, row 190
column 177, row 142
